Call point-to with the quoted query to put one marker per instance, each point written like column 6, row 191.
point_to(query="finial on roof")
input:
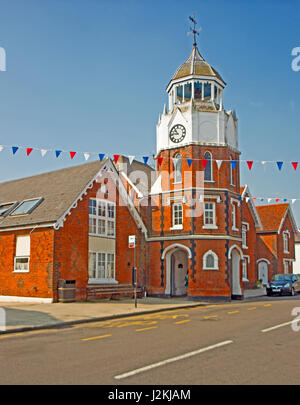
column 193, row 30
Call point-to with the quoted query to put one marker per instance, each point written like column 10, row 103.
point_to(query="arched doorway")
column 235, row 254
column 263, row 273
column 179, row 268
column 176, row 259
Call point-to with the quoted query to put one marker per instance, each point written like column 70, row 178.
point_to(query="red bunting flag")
column 116, row 158
column 254, row 198
column 28, row 151
column 295, row 164
column 204, row 162
column 277, row 199
column 159, row 160
column 72, row 154
column 250, row 163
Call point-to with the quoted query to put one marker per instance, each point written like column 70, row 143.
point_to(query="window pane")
column 110, row 228
column 101, row 265
column 92, row 265
column 22, row 263
column 92, row 225
column 25, row 206
column 111, row 210
column 92, row 207
column 101, row 208
column 208, row 167
column 110, row 265
column 101, row 227
column 210, row 261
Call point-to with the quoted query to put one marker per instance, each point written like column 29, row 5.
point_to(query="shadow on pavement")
column 20, row 317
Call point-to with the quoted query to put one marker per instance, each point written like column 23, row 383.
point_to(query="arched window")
column 210, row 261
column 177, row 168
column 208, row 174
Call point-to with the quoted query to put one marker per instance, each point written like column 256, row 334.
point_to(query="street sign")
column 131, row 241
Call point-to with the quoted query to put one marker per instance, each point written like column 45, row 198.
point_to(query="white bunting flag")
column 219, row 162
column 1, row 148
column 131, row 159
column 86, row 155
column 293, row 200
column 264, row 163
column 247, row 199
column 43, row 152
column 269, row 200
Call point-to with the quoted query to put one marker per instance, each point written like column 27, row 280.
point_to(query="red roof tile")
column 271, row 215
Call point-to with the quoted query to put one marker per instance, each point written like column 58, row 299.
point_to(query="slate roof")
column 59, row 189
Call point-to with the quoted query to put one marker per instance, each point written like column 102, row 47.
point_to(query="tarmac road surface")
column 253, row 342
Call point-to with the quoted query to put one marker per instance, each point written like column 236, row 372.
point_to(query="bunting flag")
column 233, row 164
column 131, row 159
column 160, row 160
column 264, row 164
column 189, row 161
column 57, row 153
column 101, row 156
column 247, row 199
column 219, row 163
column 43, row 152
column 145, row 158
column 86, row 156
column 1, row 148
column 204, row 163
column 269, row 200
column 295, row 164
column 250, row 163
column 72, row 154
column 14, row 149
column 28, row 151
column 293, row 200
column 277, row 199
column 279, row 164
column 116, row 158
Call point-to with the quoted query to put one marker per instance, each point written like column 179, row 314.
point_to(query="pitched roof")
column 59, row 189
column 272, row 215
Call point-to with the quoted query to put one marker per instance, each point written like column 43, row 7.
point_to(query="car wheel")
column 292, row 291
column 269, row 294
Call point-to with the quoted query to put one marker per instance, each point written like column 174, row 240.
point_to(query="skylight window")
column 27, row 206
column 6, row 208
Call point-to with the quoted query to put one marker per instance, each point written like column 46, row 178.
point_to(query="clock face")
column 177, row 133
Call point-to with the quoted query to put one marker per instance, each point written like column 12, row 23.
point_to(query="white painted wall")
column 296, row 264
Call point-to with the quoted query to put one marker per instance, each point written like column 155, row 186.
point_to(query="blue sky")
column 90, row 75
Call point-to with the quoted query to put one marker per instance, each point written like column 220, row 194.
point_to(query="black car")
column 284, row 284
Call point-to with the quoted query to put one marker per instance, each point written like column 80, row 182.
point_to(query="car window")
column 282, row 277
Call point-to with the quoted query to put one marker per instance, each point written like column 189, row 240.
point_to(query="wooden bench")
column 112, row 292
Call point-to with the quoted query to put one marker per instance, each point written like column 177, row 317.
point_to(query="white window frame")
column 244, row 236
column 102, row 280
column 286, row 236
column 231, row 173
column 234, row 216
column 216, row 261
column 180, row 224
column 211, row 180
column 213, row 210
column 178, row 169
column 286, row 266
column 106, row 218
column 245, row 269
column 22, row 256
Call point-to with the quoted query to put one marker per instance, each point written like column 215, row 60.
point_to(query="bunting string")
column 250, row 164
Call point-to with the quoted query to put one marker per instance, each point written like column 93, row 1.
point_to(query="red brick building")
column 199, row 234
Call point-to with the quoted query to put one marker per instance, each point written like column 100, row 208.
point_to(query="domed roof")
column 196, row 65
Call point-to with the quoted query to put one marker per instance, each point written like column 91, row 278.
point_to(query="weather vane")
column 195, row 31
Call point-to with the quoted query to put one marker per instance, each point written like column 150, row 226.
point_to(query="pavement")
column 20, row 316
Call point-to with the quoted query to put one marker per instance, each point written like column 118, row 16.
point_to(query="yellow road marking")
column 210, row 316
column 251, row 308
column 267, row 305
column 233, row 312
column 186, row 320
column 96, row 337
column 141, row 330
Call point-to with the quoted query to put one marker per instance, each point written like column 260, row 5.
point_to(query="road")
column 235, row 343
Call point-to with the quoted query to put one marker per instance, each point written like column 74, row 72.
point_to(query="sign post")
column 132, row 245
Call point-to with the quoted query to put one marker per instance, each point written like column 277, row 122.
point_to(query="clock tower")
column 196, row 228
